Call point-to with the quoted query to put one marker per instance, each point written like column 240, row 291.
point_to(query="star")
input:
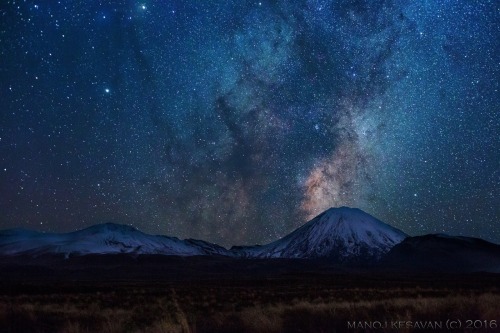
column 235, row 124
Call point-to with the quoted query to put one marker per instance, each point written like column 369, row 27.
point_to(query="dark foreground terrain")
column 172, row 294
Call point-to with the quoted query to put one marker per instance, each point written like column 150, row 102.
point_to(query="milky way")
column 235, row 122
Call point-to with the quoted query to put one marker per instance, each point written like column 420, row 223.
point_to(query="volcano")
column 340, row 234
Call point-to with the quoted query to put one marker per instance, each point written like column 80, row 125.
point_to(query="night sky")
column 237, row 121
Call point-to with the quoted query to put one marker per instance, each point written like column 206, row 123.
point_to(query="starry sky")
column 237, row 121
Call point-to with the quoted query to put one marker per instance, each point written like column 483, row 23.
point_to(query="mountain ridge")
column 345, row 236
column 106, row 238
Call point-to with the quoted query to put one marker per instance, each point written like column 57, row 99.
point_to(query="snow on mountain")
column 341, row 234
column 106, row 238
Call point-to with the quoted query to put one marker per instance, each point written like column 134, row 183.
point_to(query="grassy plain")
column 288, row 303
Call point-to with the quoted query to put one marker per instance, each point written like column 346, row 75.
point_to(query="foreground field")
column 308, row 303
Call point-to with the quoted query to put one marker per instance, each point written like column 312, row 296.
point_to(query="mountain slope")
column 339, row 234
column 106, row 238
column 443, row 253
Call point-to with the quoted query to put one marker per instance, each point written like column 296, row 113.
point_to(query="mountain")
column 443, row 253
column 339, row 234
column 106, row 238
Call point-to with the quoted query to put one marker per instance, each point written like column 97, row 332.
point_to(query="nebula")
column 237, row 122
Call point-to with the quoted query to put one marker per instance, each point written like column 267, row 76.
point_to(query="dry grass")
column 238, row 307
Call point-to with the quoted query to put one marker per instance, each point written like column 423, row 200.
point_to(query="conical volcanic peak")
column 343, row 234
column 353, row 225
